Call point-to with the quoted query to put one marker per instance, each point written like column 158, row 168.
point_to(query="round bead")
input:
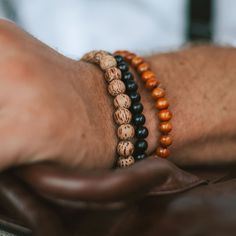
column 143, row 67
column 125, row 132
column 152, row 83
column 122, row 116
column 136, row 108
column 125, row 162
column 116, row 87
column 112, row 73
column 139, row 119
column 122, row 100
column 130, row 56
column 140, row 157
column 90, row 56
column 131, row 86
column 165, row 127
column 99, row 55
column 162, row 103
column 141, row 146
column 119, row 58
column 125, row 148
column 158, row 93
column 136, row 61
column 107, row 62
column 134, row 96
column 146, row 75
column 164, row 115
column 162, row 152
column 141, row 132
column 123, row 67
column 165, row 140
column 127, row 76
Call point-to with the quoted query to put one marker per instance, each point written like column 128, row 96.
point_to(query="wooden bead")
column 165, row 127
column 143, row 67
column 146, row 75
column 164, row 115
column 125, row 148
column 99, row 55
column 122, row 53
column 151, row 84
column 129, row 56
column 122, row 116
column 107, row 62
column 90, row 56
column 165, row 140
column 112, row 73
column 125, row 132
column 116, row 87
column 122, row 100
column 136, row 61
column 158, row 93
column 162, row 103
column 162, row 152
column 125, row 162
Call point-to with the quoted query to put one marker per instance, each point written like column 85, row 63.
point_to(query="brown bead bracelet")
column 122, row 103
column 158, row 94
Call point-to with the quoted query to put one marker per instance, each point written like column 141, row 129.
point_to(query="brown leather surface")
column 153, row 197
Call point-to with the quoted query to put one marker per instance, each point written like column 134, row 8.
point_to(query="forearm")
column 200, row 84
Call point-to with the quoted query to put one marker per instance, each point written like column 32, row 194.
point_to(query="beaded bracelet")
column 158, row 94
column 114, row 71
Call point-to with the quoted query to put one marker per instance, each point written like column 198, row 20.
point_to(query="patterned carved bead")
column 112, row 73
column 99, row 55
column 116, row 87
column 125, row 162
column 122, row 100
column 125, row 132
column 125, row 148
column 90, row 56
column 107, row 62
column 122, row 116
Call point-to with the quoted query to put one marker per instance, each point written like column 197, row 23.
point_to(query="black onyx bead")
column 119, row 58
column 136, row 108
column 140, row 157
column 139, row 119
column 131, row 86
column 134, row 96
column 123, row 67
column 127, row 76
column 140, row 146
column 141, row 132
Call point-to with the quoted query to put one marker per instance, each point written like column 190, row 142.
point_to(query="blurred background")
column 74, row 27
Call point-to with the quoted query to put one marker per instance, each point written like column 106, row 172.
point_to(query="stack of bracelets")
column 128, row 115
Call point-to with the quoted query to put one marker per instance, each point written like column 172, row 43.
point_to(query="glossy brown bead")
column 121, row 53
column 158, row 93
column 165, row 127
column 165, row 140
column 143, row 67
column 162, row 103
column 151, row 84
column 130, row 56
column 162, row 152
column 136, row 61
column 146, row 75
column 164, row 115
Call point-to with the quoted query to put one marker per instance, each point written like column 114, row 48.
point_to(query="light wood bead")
column 165, row 127
column 125, row 162
column 165, row 140
column 125, row 132
column 90, row 56
column 116, row 87
column 122, row 116
column 162, row 152
column 122, row 100
column 158, row 93
column 107, row 62
column 164, row 115
column 162, row 103
column 125, row 148
column 112, row 73
column 99, row 55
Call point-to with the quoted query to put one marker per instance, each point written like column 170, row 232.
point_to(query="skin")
column 53, row 108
